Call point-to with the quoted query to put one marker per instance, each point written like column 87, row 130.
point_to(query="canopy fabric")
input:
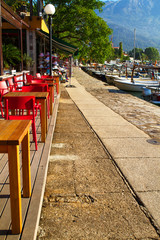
column 62, row 45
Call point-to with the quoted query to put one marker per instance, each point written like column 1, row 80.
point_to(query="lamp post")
column 50, row 10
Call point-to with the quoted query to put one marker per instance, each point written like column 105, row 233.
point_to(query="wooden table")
column 51, row 91
column 41, row 97
column 12, row 134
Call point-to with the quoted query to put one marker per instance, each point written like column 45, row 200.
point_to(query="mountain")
column 123, row 16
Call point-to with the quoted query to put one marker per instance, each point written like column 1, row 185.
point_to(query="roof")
column 11, row 17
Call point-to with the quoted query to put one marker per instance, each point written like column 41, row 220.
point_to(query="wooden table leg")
column 51, row 99
column 57, row 81
column 15, row 188
column 44, row 125
column 26, row 166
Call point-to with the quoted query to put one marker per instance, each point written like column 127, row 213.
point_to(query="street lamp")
column 50, row 10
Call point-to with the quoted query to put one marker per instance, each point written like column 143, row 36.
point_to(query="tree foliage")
column 138, row 53
column 77, row 23
column 152, row 53
column 11, row 55
column 121, row 50
column 149, row 53
column 17, row 4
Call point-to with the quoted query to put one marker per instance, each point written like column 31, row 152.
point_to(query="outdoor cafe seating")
column 20, row 104
column 22, row 108
column 3, row 90
column 38, row 88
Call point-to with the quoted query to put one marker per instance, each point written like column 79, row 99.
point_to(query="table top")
column 40, row 95
column 12, row 132
column 50, row 83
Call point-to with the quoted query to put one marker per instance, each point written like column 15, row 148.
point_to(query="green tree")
column 144, row 57
column 116, row 53
column 121, row 50
column 76, row 22
column 152, row 53
column 138, row 53
column 17, row 4
column 125, row 58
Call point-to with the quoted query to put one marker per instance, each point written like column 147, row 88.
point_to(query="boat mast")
column 134, row 44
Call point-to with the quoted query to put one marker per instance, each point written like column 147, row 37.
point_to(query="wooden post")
column 1, row 53
column 21, row 44
column 132, row 73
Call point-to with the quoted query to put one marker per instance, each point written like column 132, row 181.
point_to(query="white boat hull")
column 110, row 78
column 134, row 87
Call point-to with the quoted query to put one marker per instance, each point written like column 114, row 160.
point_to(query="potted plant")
column 28, row 61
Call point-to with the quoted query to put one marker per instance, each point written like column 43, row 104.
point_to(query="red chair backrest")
column 3, row 88
column 21, row 102
column 29, row 78
column 18, row 83
column 11, row 84
column 16, row 80
column 43, row 85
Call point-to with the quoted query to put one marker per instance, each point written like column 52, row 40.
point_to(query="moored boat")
column 152, row 94
column 135, row 86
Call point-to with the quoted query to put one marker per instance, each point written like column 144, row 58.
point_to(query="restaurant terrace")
column 29, row 101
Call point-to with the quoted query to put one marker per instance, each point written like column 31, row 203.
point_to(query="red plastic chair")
column 38, row 88
column 18, row 83
column 11, row 84
column 3, row 90
column 41, row 80
column 29, row 78
column 22, row 103
column 38, row 75
column 47, row 76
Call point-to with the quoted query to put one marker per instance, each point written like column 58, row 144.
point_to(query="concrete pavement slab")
column 131, row 147
column 142, row 173
column 151, row 200
column 128, row 131
column 101, row 112
column 87, row 101
column 91, row 106
column 107, row 120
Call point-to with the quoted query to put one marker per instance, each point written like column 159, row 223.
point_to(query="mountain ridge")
column 142, row 15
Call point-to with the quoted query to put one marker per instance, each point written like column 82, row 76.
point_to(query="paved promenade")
column 134, row 152
column 103, row 179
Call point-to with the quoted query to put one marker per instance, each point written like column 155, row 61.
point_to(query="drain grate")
column 153, row 141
